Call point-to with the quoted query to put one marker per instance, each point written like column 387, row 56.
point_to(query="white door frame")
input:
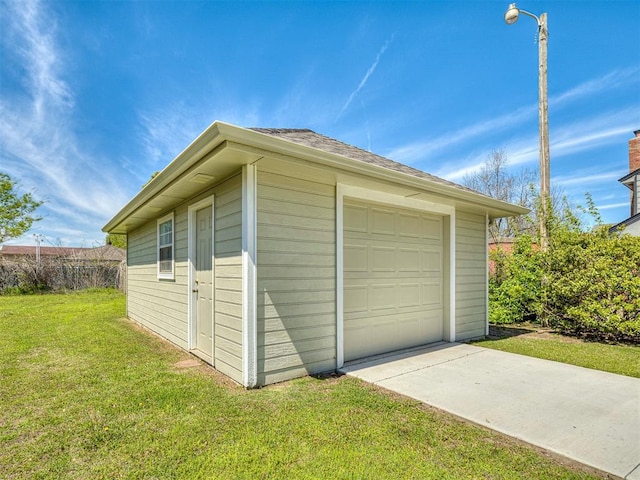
column 359, row 193
column 191, row 255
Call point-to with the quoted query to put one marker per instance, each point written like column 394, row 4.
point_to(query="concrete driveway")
column 589, row 416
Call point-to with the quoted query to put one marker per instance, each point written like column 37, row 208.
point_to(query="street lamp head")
column 511, row 15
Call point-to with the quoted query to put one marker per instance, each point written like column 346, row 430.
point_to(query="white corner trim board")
column 486, row 277
column 452, row 275
column 249, row 277
column 339, row 276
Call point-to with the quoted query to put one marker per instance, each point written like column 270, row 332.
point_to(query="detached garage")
column 275, row 253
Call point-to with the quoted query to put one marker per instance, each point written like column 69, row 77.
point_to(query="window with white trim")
column 166, row 259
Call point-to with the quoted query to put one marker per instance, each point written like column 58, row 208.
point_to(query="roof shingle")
column 309, row 138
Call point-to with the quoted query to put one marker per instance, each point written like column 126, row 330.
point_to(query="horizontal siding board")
column 297, row 234
column 293, row 183
column 296, row 309
column 286, row 358
column 294, row 297
column 285, row 219
column 281, row 337
column 275, row 376
column 268, row 205
column 228, row 280
column 300, row 285
column 286, row 247
column 273, row 259
column 280, row 323
column 229, row 365
column 471, row 274
column 296, row 276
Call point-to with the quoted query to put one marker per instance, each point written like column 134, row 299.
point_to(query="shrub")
column 585, row 283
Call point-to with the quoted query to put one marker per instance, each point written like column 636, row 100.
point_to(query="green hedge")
column 586, row 283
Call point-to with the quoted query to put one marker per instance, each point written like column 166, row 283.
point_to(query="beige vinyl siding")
column 296, row 265
column 228, row 278
column 471, row 275
column 160, row 305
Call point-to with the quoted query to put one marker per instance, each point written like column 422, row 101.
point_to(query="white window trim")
column 166, row 275
column 367, row 194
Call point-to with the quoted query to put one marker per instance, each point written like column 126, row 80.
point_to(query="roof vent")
column 201, row 178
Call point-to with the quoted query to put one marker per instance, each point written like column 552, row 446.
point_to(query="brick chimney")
column 634, row 152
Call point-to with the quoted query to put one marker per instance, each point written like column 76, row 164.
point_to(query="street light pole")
column 511, row 17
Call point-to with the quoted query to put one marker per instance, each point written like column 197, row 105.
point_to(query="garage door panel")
column 409, row 225
column 392, row 279
column 432, row 294
column 432, row 228
column 431, row 260
column 383, row 259
column 383, row 221
column 356, row 258
column 383, row 297
column 356, row 299
column 408, row 295
column 355, row 218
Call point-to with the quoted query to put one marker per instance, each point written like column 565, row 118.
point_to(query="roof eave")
column 203, row 144
column 219, row 132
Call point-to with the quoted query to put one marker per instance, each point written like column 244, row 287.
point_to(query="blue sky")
column 96, row 96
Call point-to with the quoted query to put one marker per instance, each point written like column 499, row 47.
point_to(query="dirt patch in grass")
column 529, row 331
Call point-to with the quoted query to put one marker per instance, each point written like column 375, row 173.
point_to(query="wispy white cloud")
column 611, row 80
column 414, row 152
column 611, row 206
column 579, row 179
column 368, row 74
column 38, row 143
column 571, row 138
column 167, row 130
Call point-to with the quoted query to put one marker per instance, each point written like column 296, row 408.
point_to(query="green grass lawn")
column 86, row 394
column 620, row 359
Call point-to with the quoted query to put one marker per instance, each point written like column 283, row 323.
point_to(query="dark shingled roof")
column 309, row 138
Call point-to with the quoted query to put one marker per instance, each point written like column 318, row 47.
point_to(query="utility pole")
column 511, row 17
column 543, row 120
column 38, row 238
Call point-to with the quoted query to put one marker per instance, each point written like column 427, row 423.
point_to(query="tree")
column 495, row 180
column 15, row 210
column 116, row 240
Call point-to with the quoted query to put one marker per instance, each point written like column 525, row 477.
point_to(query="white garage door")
column 393, row 279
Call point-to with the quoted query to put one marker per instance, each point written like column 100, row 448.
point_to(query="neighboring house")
column 276, row 253
column 632, row 182
column 105, row 254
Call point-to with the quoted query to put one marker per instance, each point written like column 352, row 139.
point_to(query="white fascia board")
column 249, row 277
